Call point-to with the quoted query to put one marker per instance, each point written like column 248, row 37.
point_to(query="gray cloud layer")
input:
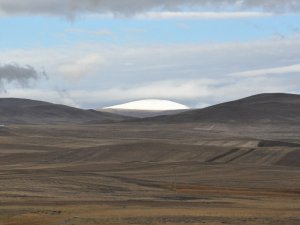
column 13, row 73
column 72, row 8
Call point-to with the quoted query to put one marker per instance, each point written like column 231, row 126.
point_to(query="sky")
column 98, row 53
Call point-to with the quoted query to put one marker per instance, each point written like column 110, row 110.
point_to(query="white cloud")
column 201, row 15
column 167, row 89
column 194, row 93
column 157, row 62
column 80, row 67
column 269, row 71
column 190, row 73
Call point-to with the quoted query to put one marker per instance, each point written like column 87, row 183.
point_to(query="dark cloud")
column 71, row 8
column 21, row 75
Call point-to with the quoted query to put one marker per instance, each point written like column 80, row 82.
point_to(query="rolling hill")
column 262, row 108
column 25, row 111
column 258, row 109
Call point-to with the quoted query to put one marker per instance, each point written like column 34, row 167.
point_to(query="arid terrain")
column 149, row 173
column 150, row 112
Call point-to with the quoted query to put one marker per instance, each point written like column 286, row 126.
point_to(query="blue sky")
column 36, row 31
column 109, row 55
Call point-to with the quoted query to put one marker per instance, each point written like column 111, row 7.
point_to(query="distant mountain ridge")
column 146, row 108
column 142, row 113
column 26, row 111
column 261, row 108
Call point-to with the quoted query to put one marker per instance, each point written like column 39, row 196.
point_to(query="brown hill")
column 25, row 111
column 262, row 108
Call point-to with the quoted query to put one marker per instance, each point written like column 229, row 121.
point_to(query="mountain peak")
column 151, row 105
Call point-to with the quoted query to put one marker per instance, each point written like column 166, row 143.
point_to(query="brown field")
column 149, row 174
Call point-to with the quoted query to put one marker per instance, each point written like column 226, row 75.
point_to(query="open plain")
column 150, row 112
column 149, row 173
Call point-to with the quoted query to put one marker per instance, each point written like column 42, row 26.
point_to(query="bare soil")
column 141, row 173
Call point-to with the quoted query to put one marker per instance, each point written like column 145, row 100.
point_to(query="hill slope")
column 25, row 111
column 262, row 108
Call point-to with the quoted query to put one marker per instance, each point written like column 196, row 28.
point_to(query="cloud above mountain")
column 98, row 75
column 13, row 73
column 71, row 8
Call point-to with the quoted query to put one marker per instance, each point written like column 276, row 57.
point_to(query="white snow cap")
column 150, row 104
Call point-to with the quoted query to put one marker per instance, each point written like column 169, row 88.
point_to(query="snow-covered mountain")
column 150, row 104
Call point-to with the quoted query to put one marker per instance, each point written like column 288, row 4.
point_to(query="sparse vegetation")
column 135, row 174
